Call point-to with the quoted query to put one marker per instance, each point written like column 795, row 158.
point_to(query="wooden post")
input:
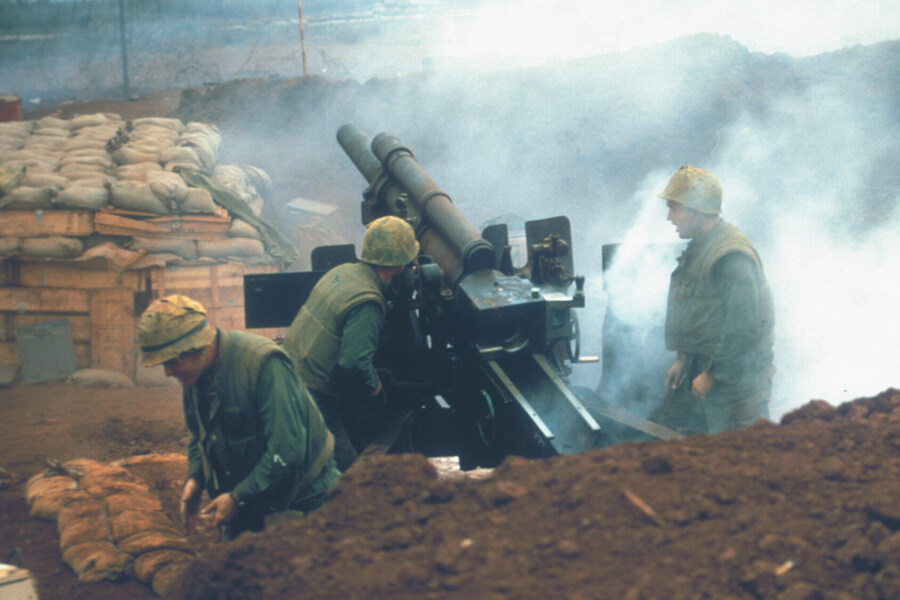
column 126, row 90
column 302, row 41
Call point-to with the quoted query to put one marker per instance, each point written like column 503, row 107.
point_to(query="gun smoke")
column 537, row 121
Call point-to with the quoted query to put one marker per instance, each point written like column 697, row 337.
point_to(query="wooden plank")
column 196, row 228
column 113, row 330
column 37, row 223
column 53, row 274
column 79, row 325
column 43, row 300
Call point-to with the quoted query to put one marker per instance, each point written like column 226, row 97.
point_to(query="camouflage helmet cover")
column 389, row 242
column 172, row 326
column 695, row 188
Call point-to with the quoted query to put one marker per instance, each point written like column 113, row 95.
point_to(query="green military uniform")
column 720, row 319
column 333, row 340
column 256, row 433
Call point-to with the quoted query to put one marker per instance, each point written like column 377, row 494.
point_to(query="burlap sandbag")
column 94, row 120
column 80, row 171
column 30, row 198
column 47, row 495
column 9, row 245
column 232, row 247
column 169, row 187
column 242, row 229
column 87, row 157
column 182, row 247
column 43, row 179
column 142, row 460
column 147, row 564
column 184, row 155
column 136, row 195
column 168, row 577
column 86, row 142
column 127, row 523
column 172, row 123
column 54, row 246
column 134, row 500
column 101, row 378
column 84, row 197
column 147, row 541
column 103, row 483
column 10, row 142
column 47, row 506
column 198, row 200
column 52, row 131
column 97, row 561
column 155, row 138
column 86, row 529
column 137, row 171
column 82, row 466
column 86, row 509
column 17, row 128
column 128, row 155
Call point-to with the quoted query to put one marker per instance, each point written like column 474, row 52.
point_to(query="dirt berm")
column 799, row 511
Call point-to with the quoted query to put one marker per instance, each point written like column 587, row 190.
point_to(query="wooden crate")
column 195, row 227
column 219, row 287
column 62, row 275
column 43, row 300
column 39, row 223
column 113, row 328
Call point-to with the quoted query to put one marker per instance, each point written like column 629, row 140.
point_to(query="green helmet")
column 695, row 188
column 389, row 242
column 170, row 327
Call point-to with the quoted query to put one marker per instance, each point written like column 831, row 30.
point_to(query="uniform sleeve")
column 736, row 280
column 282, row 402
column 359, row 341
column 195, row 464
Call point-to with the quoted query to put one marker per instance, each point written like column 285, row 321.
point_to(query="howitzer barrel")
column 434, row 203
column 392, row 171
column 357, row 146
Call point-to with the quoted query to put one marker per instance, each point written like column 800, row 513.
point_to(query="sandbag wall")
column 96, row 220
column 110, row 522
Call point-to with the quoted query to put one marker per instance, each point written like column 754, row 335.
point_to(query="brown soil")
column 806, row 509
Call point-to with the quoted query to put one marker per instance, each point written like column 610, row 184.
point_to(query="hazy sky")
column 533, row 30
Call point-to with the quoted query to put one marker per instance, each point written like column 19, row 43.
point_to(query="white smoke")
column 796, row 182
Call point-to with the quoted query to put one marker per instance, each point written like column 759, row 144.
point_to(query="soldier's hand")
column 702, row 384
column 673, row 376
column 221, row 510
column 190, row 501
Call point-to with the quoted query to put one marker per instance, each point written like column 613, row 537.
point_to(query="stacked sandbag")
column 65, row 161
column 96, row 161
column 110, row 523
column 250, row 184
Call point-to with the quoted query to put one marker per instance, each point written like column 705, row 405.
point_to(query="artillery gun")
column 478, row 351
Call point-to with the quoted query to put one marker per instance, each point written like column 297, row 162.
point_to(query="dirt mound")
column 806, row 510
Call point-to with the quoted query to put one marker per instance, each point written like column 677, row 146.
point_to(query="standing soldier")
column 720, row 317
column 258, row 443
column 334, row 337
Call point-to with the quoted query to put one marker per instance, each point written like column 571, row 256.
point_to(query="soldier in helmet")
column 335, row 334
column 719, row 318
column 258, row 443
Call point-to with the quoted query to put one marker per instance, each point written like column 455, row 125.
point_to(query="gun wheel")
column 573, row 346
